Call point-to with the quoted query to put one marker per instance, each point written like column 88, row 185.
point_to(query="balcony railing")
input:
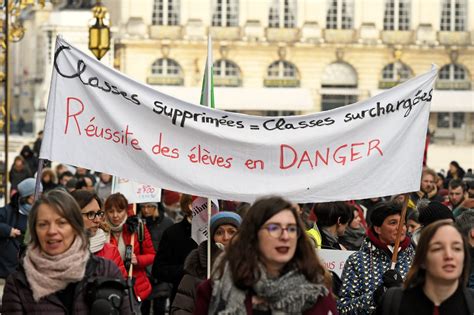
column 165, row 32
column 282, row 34
column 228, row 82
column 397, row 37
column 453, row 38
column 269, row 82
column 164, row 80
column 453, row 85
column 224, row 33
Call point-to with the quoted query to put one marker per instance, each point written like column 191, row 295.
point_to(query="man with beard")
column 458, row 197
column 428, row 189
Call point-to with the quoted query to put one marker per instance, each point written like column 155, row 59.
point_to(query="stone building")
column 285, row 57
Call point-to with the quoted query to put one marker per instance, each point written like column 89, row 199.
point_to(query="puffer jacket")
column 111, row 252
column 195, row 271
column 145, row 256
column 18, row 297
column 363, row 273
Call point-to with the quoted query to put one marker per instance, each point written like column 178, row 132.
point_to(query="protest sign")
column 334, row 260
column 200, row 218
column 135, row 192
column 100, row 119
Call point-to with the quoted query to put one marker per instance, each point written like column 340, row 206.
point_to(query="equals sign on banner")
column 254, row 127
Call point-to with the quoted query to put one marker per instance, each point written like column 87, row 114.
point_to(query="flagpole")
column 210, row 103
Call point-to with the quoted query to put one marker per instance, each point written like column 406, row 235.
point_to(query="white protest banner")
column 334, row 260
column 135, row 192
column 100, row 119
column 200, row 218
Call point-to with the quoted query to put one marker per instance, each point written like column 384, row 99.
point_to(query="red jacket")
column 142, row 284
column 204, row 293
column 111, row 252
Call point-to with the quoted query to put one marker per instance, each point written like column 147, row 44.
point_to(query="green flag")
column 207, row 92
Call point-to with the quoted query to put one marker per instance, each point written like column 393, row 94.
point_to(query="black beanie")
column 435, row 211
column 383, row 210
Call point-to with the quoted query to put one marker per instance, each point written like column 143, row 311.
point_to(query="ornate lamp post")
column 12, row 31
column 99, row 32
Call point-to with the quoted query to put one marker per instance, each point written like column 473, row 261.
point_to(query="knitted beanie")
column 224, row 217
column 435, row 211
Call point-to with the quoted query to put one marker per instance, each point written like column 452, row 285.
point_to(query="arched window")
column 165, row 12
column 338, row 86
column 282, row 14
column 226, row 73
column 453, row 77
column 397, row 15
column 453, row 15
column 394, row 73
column 165, row 71
column 282, row 74
column 340, row 14
column 225, row 13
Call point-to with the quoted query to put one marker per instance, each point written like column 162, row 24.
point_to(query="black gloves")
column 391, row 278
column 132, row 223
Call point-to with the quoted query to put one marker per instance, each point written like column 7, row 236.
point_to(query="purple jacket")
column 18, row 297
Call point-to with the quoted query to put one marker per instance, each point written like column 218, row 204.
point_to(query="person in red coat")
column 143, row 252
column 93, row 216
column 270, row 266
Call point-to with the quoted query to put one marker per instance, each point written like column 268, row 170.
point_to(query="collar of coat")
column 382, row 246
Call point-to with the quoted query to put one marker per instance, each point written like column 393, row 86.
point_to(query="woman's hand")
column 134, row 259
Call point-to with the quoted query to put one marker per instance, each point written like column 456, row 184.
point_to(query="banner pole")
column 38, row 179
column 209, row 213
column 399, row 232
column 132, row 241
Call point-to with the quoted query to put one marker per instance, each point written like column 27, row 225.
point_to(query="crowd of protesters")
column 79, row 244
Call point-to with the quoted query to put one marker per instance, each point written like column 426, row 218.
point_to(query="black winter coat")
column 10, row 246
column 175, row 246
column 18, row 297
column 195, row 269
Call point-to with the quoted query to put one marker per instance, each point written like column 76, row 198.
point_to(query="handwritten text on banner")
column 100, row 119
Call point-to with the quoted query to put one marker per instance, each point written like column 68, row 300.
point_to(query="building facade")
column 285, row 57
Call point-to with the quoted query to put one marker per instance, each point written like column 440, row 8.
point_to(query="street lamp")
column 11, row 23
column 99, row 32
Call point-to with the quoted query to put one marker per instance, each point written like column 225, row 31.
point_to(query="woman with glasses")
column 269, row 267
column 123, row 233
column 93, row 216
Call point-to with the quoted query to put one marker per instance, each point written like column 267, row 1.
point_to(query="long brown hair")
column 243, row 254
column 417, row 274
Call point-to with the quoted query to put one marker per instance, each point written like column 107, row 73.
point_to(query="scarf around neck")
column 291, row 293
column 117, row 228
column 97, row 242
column 48, row 274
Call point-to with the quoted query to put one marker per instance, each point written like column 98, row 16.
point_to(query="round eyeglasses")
column 276, row 230
column 91, row 215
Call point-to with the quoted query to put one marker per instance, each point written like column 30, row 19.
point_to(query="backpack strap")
column 141, row 234
column 392, row 301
